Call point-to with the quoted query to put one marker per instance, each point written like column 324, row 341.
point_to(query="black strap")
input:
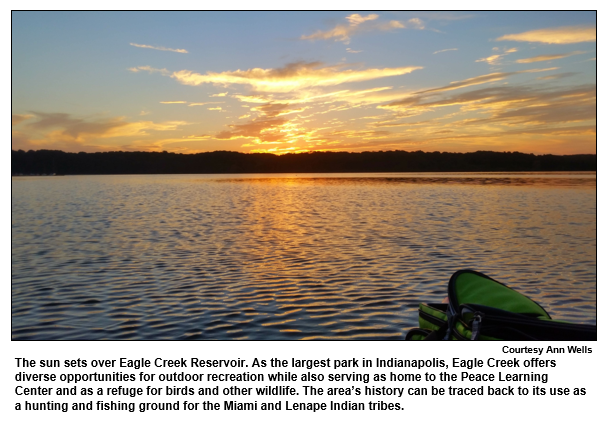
column 422, row 333
column 439, row 334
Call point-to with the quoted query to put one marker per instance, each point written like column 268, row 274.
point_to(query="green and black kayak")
column 481, row 308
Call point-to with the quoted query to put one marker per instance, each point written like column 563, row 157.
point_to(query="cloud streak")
column 174, row 50
column 547, row 57
column 558, row 76
column 447, row 49
column 292, row 77
column 190, row 104
column 560, row 35
column 195, row 104
column 478, row 80
column 515, row 105
column 149, row 69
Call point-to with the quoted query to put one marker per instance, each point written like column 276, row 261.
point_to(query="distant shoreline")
column 52, row 162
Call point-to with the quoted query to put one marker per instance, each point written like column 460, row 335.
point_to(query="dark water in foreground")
column 305, row 256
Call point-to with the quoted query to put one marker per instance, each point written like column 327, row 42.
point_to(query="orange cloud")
column 149, row 69
column 342, row 32
column 65, row 132
column 276, row 109
column 548, row 57
column 558, row 76
column 62, row 126
column 23, row 141
column 292, row 77
column 490, row 60
column 257, row 99
column 496, row 58
column 140, row 128
column 18, row 118
column 561, row 35
column 265, row 130
column 279, row 151
column 269, row 129
column 357, row 19
column 358, row 23
column 190, row 104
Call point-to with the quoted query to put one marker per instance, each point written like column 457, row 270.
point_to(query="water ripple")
column 288, row 257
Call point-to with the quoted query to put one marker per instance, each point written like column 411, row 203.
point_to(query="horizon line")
column 300, row 152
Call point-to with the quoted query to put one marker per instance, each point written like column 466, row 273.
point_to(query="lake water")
column 288, row 256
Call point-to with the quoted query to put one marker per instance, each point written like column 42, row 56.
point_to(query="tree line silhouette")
column 224, row 162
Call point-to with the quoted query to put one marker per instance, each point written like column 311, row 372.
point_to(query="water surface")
column 288, row 256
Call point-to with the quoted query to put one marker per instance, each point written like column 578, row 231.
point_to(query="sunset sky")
column 303, row 81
